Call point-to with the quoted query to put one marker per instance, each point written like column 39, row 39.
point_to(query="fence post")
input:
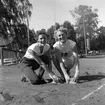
column 2, row 58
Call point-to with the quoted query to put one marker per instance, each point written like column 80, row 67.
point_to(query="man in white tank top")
column 37, row 56
column 65, row 56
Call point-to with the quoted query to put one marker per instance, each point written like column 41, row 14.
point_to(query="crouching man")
column 38, row 56
column 65, row 56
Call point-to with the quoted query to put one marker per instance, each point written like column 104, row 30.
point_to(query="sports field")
column 89, row 91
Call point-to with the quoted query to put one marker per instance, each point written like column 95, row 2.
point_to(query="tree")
column 80, row 45
column 95, row 44
column 86, row 21
column 101, row 38
column 85, row 16
column 56, row 25
column 71, row 33
column 13, row 15
column 50, row 33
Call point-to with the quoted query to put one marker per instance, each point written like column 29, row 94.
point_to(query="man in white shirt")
column 65, row 56
column 37, row 56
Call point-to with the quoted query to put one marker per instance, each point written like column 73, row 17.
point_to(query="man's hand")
column 54, row 78
column 76, row 75
column 43, row 65
column 73, row 81
column 67, row 78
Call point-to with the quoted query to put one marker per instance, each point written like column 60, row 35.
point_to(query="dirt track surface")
column 92, row 76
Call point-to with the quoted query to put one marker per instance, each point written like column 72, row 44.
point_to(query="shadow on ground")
column 89, row 77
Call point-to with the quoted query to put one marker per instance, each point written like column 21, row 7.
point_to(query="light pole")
column 27, row 21
column 54, row 18
column 84, row 32
column 55, row 15
column 28, row 37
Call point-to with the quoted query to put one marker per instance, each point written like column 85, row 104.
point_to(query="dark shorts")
column 28, row 67
column 34, row 64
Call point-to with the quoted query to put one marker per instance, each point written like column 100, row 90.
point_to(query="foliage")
column 71, row 34
column 86, row 21
column 13, row 16
column 85, row 17
column 80, row 45
column 50, row 33
column 94, row 43
column 70, row 31
column 101, row 38
column 97, row 43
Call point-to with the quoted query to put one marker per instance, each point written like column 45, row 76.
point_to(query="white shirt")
column 35, row 47
column 65, row 48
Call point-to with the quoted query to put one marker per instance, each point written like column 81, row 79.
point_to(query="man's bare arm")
column 75, row 54
column 36, row 57
column 58, row 54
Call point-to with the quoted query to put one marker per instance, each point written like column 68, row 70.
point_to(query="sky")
column 46, row 12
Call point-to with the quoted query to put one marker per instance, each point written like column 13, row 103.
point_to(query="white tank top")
column 65, row 48
column 36, row 47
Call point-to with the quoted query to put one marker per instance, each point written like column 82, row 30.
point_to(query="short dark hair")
column 41, row 33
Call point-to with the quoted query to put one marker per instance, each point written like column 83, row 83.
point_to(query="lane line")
column 86, row 96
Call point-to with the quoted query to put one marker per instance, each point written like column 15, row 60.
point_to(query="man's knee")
column 34, row 82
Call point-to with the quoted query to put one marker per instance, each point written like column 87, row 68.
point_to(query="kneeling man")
column 65, row 56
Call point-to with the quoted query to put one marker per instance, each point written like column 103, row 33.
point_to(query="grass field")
column 92, row 76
